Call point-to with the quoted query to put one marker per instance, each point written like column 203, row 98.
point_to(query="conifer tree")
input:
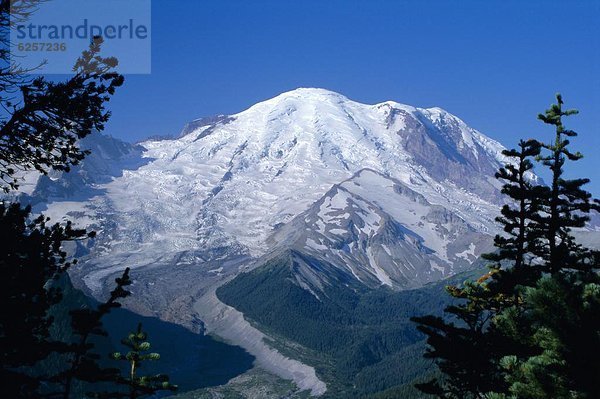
column 32, row 263
column 42, row 119
column 32, row 258
column 41, row 123
column 528, row 338
column 86, row 323
column 566, row 204
column 467, row 352
column 563, row 311
column 521, row 239
column 140, row 386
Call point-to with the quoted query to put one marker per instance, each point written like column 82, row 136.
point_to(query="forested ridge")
column 367, row 341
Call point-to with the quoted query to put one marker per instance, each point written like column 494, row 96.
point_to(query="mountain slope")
column 380, row 232
column 352, row 201
column 322, row 223
column 222, row 188
column 359, row 340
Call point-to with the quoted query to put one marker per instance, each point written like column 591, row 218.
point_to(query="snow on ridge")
column 226, row 184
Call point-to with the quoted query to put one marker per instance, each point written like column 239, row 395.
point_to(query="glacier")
column 224, row 186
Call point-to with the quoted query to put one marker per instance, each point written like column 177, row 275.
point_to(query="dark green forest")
column 360, row 340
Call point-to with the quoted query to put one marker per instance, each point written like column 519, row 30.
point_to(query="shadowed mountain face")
column 109, row 158
column 192, row 360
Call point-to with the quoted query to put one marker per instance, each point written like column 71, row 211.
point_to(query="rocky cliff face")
column 380, row 232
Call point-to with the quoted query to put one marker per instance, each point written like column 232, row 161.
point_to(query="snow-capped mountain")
column 289, row 212
column 233, row 185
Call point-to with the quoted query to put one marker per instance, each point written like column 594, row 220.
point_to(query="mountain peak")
column 221, row 189
column 300, row 96
column 311, row 92
column 321, row 94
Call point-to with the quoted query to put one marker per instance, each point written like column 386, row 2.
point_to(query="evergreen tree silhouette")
column 86, row 323
column 501, row 335
column 566, row 204
column 139, row 347
column 522, row 239
column 42, row 119
column 41, row 123
column 466, row 351
column 31, row 261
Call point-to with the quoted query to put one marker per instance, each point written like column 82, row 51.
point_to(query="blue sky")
column 495, row 64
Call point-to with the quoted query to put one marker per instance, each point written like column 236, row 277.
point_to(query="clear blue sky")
column 495, row 64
